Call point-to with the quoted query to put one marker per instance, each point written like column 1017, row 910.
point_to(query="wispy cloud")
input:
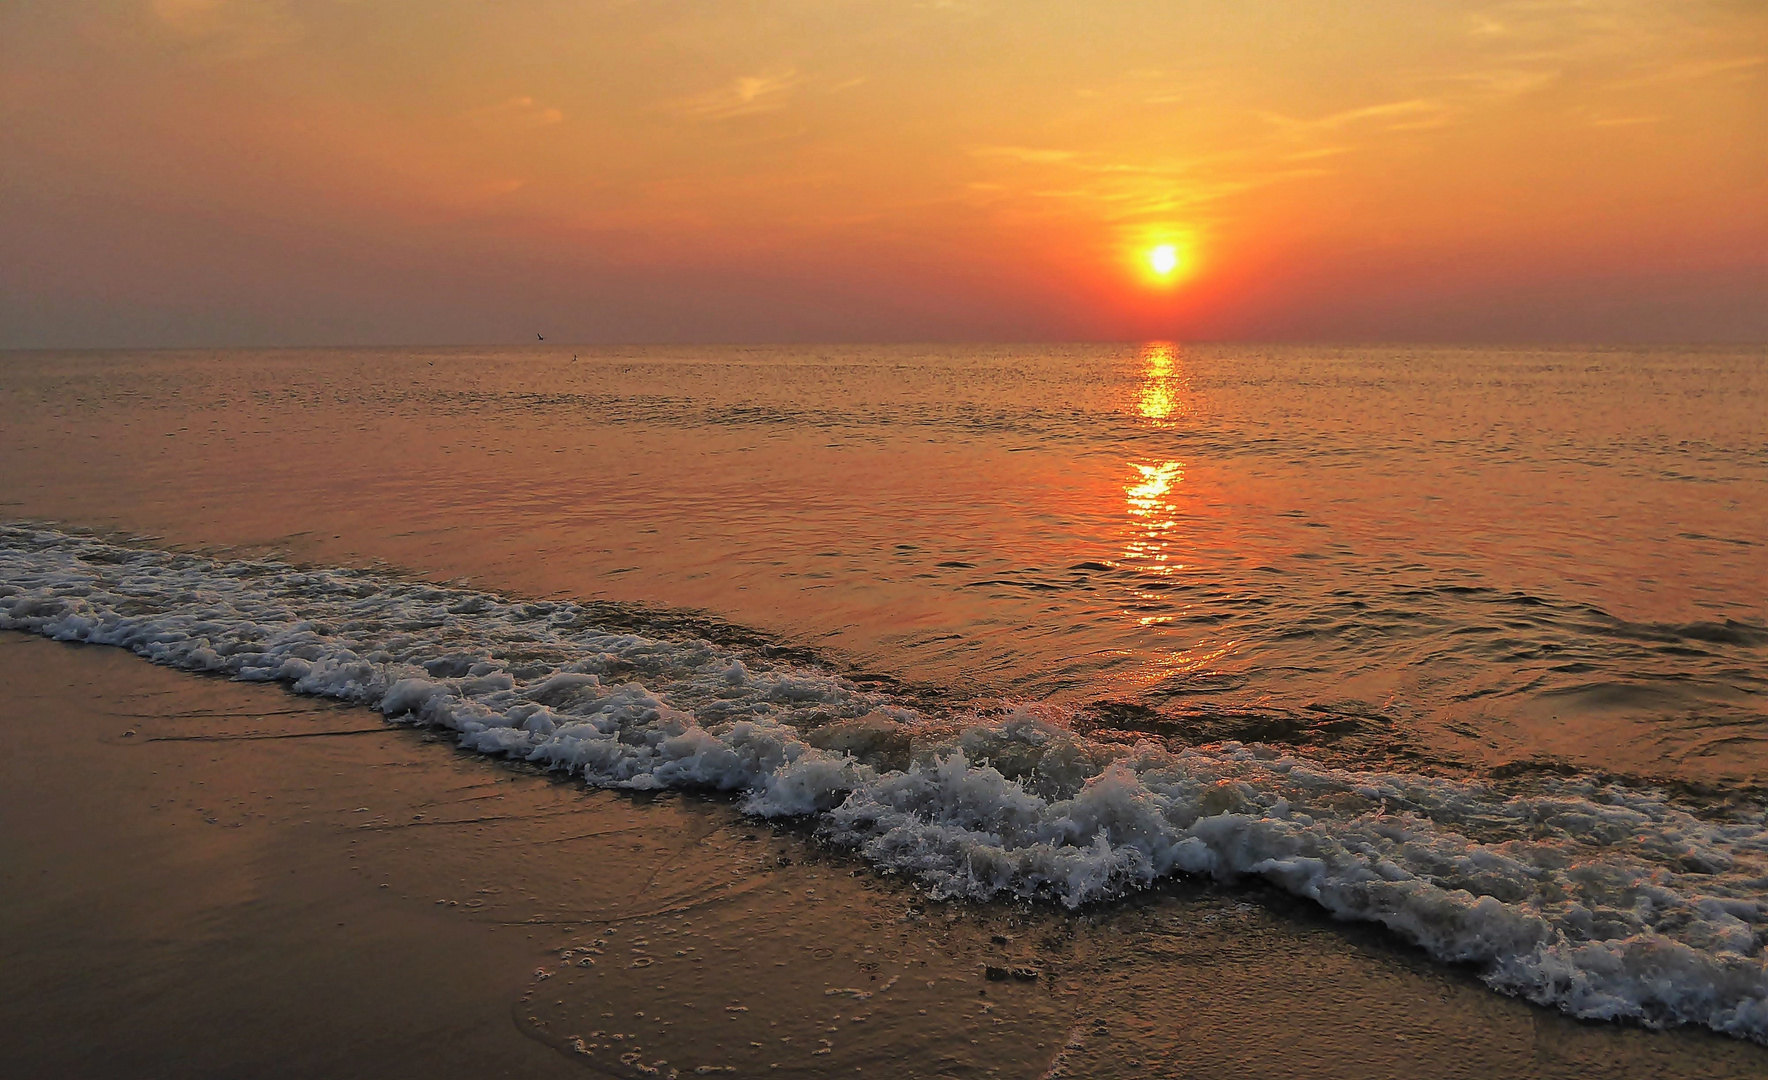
column 230, row 29
column 514, row 114
column 1394, row 116
column 1689, row 70
column 1027, row 154
column 1129, row 191
column 743, row 96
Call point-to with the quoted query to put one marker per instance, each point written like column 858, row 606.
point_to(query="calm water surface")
column 1467, row 558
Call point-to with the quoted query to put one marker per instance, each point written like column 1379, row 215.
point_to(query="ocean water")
column 1472, row 643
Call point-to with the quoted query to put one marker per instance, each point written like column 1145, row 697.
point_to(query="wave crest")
column 1605, row 901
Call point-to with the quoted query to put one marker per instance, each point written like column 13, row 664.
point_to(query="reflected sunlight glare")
column 1151, row 511
column 1162, row 390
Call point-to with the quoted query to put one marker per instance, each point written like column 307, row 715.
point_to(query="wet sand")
column 204, row 878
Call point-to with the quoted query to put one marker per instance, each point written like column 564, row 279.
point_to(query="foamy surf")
column 1605, row 901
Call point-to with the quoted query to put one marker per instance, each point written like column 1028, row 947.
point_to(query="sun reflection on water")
column 1149, row 500
column 1151, row 490
column 1162, row 395
column 1147, row 492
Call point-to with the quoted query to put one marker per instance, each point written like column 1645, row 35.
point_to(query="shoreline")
column 209, row 896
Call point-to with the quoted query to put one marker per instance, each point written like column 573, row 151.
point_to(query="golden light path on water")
column 1152, row 493
column 1149, row 497
column 1163, row 389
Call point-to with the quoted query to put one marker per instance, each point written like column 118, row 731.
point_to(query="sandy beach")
column 209, row 879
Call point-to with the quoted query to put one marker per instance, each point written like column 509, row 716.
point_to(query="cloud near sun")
column 787, row 170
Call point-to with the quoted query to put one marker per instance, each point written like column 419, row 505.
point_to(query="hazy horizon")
column 265, row 172
column 1567, row 345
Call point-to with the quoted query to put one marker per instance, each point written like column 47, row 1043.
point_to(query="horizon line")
column 1364, row 343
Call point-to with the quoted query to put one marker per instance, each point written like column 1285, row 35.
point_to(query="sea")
column 1471, row 643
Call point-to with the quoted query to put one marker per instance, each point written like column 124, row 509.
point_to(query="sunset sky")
column 225, row 172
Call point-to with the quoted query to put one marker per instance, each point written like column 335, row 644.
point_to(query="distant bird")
column 541, row 336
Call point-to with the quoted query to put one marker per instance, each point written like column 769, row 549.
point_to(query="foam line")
column 1607, row 902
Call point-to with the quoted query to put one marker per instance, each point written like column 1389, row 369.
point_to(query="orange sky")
column 340, row 171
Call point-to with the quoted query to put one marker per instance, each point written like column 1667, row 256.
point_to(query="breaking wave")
column 1606, row 901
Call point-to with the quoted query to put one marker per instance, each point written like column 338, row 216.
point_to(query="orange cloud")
column 743, row 96
column 514, row 114
column 230, row 29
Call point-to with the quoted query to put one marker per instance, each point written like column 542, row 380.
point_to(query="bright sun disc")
column 1164, row 259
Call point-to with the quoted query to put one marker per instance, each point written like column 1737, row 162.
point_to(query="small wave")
column 1606, row 901
column 1749, row 635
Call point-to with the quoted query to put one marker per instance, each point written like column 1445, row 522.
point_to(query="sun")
column 1161, row 258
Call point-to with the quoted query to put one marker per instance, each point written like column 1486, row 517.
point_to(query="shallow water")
column 185, row 849
column 1050, row 598
column 1479, row 557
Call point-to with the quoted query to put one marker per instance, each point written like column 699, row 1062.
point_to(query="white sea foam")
column 1606, row 901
